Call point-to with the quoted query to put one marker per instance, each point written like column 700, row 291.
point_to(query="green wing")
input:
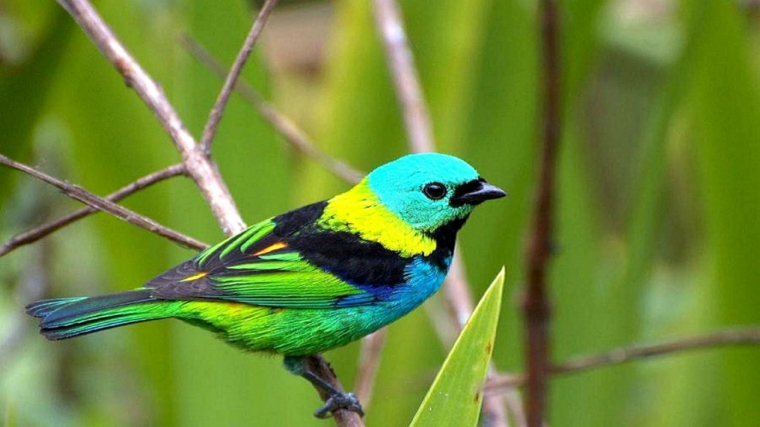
column 257, row 267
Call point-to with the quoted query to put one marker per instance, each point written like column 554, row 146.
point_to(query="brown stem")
column 199, row 166
column 457, row 291
column 369, row 363
column 215, row 116
column 46, row 229
column 732, row 337
column 84, row 196
column 318, row 365
column 536, row 303
column 281, row 123
column 404, row 73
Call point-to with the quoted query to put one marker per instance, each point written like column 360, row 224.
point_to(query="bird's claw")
column 347, row 401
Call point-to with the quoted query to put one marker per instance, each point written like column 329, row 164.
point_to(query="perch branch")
column 536, row 307
column 84, row 196
column 344, row 418
column 199, row 166
column 46, row 229
column 731, row 337
column 281, row 123
column 215, row 116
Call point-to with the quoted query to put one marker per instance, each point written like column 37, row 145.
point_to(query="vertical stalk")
column 536, row 305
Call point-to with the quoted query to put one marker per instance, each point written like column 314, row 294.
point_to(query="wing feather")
column 258, row 267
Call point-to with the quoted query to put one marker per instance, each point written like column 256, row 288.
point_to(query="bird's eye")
column 434, row 191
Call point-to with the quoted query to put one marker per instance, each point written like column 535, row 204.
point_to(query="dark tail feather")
column 69, row 317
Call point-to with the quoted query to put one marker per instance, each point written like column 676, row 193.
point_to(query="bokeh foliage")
column 658, row 215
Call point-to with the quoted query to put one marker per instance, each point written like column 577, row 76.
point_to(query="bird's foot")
column 337, row 399
column 347, row 401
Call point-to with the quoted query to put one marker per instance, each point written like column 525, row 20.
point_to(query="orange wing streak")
column 271, row 248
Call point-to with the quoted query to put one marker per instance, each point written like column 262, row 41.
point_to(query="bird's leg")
column 336, row 399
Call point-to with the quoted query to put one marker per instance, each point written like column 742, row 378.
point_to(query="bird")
column 309, row 280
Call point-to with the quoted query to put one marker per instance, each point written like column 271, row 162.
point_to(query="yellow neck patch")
column 359, row 211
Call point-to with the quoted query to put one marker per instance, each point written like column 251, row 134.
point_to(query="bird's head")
column 430, row 190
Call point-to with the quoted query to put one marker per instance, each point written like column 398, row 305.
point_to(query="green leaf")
column 456, row 395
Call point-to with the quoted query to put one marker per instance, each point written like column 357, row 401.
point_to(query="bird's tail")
column 63, row 318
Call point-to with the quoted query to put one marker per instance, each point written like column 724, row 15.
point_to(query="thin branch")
column 46, row 229
column 369, row 363
column 536, row 305
column 321, row 368
column 215, row 116
column 457, row 291
column 84, row 196
column 405, row 79
column 199, row 166
column 279, row 121
column 732, row 337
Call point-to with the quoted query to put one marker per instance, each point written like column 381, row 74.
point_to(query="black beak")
column 476, row 192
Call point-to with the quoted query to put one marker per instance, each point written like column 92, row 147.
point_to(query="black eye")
column 434, row 191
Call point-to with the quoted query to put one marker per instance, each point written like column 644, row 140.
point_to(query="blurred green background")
column 658, row 218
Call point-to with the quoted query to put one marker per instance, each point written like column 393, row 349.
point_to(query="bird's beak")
column 477, row 192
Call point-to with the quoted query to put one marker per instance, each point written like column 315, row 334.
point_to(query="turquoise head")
column 429, row 190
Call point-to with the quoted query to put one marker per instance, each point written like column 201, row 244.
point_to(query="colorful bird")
column 309, row 280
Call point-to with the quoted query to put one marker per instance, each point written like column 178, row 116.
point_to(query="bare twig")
column 84, row 196
column 369, row 362
column 536, row 302
column 457, row 291
column 494, row 413
column 320, row 367
column 731, row 337
column 215, row 115
column 405, row 79
column 281, row 123
column 37, row 233
column 199, row 166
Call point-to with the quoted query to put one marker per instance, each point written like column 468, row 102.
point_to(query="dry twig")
column 404, row 74
column 279, row 121
column 84, row 196
column 37, row 233
column 215, row 116
column 321, row 368
column 199, row 166
column 536, row 302
column 731, row 337
column 369, row 361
